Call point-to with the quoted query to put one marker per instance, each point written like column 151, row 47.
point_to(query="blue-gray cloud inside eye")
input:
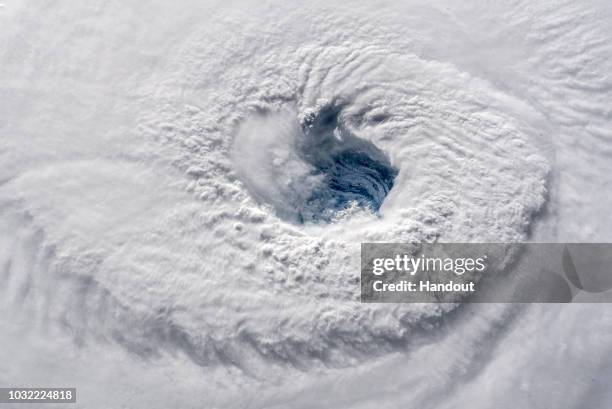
column 353, row 170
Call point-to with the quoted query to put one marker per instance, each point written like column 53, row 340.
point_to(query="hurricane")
column 184, row 187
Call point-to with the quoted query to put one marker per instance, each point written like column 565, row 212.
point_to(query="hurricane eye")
column 353, row 171
column 313, row 171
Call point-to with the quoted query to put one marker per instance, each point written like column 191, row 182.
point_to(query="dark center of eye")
column 353, row 171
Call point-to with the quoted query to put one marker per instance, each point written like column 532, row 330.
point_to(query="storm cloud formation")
column 184, row 187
